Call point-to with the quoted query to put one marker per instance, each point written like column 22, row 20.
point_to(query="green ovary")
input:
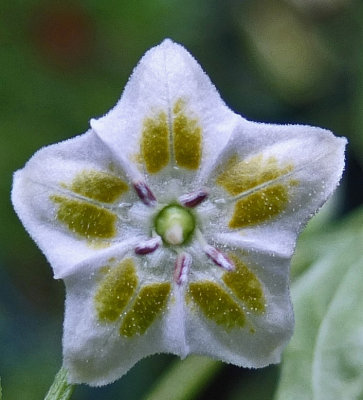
column 98, row 186
column 175, row 224
column 149, row 304
column 245, row 285
column 116, row 291
column 216, row 304
column 84, row 219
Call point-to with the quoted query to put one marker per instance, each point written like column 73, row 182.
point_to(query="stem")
column 60, row 389
column 185, row 379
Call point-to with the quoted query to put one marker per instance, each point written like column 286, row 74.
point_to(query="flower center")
column 175, row 224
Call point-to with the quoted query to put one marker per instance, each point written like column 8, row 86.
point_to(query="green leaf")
column 318, row 356
column 321, row 232
column 338, row 363
column 60, row 389
column 1, row 392
column 185, row 379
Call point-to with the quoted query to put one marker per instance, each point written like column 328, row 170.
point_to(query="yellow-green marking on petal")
column 269, row 197
column 259, row 206
column 245, row 285
column 240, row 176
column 85, row 219
column 187, row 138
column 149, row 303
column 116, row 290
column 99, row 186
column 155, row 143
column 216, row 304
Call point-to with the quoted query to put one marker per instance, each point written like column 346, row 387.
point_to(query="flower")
column 172, row 222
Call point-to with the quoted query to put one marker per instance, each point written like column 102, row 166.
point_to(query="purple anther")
column 182, row 266
column 145, row 194
column 193, row 199
column 148, row 246
column 219, row 258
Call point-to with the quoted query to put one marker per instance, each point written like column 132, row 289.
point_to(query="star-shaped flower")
column 172, row 222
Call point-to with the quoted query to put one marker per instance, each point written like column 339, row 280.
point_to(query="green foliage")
column 185, row 379
column 324, row 359
column 338, row 365
column 60, row 389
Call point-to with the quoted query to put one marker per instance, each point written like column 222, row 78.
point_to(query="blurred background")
column 64, row 62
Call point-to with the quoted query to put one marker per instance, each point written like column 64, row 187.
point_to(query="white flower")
column 172, row 222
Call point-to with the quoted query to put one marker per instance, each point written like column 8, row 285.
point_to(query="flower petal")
column 119, row 309
column 244, row 316
column 69, row 196
column 170, row 119
column 271, row 185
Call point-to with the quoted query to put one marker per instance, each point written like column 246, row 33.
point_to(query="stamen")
column 214, row 254
column 193, row 199
column 148, row 246
column 145, row 194
column 182, row 266
column 218, row 258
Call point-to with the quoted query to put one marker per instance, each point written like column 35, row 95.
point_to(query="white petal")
column 261, row 341
column 166, row 75
column 94, row 351
column 45, row 175
column 316, row 158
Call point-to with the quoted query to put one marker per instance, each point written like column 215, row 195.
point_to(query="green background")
column 63, row 62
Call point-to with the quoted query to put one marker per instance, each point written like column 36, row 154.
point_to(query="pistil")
column 175, row 224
